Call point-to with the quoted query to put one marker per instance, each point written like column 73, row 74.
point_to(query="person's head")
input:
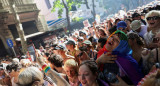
column 88, row 72
column 117, row 20
column 135, row 39
column 70, row 45
column 156, row 39
column 56, row 60
column 101, row 33
column 153, row 18
column 111, row 30
column 87, row 45
column 93, row 41
column 118, row 42
column 136, row 25
column 122, row 26
column 83, row 34
column 71, row 68
column 30, row 76
column 101, row 43
column 136, row 16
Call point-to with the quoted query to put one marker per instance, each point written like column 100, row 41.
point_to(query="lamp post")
column 18, row 25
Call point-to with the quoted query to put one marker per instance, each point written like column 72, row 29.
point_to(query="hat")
column 136, row 24
column 87, row 42
column 71, row 42
column 121, row 24
column 135, row 15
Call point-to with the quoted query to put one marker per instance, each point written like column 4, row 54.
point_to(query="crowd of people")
column 120, row 51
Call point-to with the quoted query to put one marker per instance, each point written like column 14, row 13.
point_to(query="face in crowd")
column 113, row 42
column 87, row 73
column 70, row 67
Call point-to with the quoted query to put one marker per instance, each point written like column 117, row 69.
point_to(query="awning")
column 29, row 36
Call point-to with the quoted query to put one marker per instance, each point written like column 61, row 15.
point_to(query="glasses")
column 156, row 39
column 153, row 18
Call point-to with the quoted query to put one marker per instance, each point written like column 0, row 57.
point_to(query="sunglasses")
column 153, row 18
column 156, row 39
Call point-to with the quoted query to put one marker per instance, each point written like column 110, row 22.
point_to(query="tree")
column 67, row 5
column 93, row 5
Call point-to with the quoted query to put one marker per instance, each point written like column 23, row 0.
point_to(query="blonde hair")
column 152, row 13
column 70, row 63
column 29, row 75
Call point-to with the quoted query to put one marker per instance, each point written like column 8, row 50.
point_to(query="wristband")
column 48, row 68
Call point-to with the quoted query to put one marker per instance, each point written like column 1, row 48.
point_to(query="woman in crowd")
column 136, row 43
column 153, row 20
column 116, row 55
column 88, row 73
column 71, row 71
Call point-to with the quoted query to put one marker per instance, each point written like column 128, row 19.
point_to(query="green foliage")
column 77, row 19
column 58, row 4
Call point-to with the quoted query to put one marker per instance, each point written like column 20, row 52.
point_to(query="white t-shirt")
column 143, row 30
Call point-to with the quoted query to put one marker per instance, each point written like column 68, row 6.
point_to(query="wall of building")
column 41, row 4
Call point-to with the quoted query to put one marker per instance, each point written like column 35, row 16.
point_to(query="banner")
column 86, row 23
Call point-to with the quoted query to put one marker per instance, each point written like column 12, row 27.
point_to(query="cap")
column 87, row 42
column 71, row 42
column 136, row 24
column 121, row 24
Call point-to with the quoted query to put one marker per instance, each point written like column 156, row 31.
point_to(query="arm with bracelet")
column 60, row 81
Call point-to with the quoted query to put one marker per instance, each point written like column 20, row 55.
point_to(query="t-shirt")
column 143, row 30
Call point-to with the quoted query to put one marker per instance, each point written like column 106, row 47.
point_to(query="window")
column 48, row 4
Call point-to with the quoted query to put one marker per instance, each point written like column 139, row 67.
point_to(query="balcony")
column 21, row 6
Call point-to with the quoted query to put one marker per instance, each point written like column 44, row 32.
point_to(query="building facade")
column 29, row 17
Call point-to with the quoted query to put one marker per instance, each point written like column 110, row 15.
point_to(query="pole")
column 18, row 26
column 14, row 52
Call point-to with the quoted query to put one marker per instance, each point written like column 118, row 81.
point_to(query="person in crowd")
column 111, row 30
column 101, row 43
column 88, row 74
column 80, row 41
column 93, row 41
column 54, row 76
column 137, row 44
column 153, row 20
column 138, row 28
column 71, row 47
column 128, row 22
column 84, row 35
column 116, row 21
column 122, row 26
column 153, row 56
column 56, row 63
column 137, row 16
column 117, row 54
column 101, row 33
column 87, row 47
column 71, row 71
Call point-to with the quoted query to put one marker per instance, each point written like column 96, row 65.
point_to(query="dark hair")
column 112, row 29
column 117, row 20
column 102, row 31
column 102, row 41
column 137, row 37
column 91, row 64
column 56, row 60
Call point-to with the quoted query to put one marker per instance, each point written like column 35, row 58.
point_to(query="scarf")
column 124, row 60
